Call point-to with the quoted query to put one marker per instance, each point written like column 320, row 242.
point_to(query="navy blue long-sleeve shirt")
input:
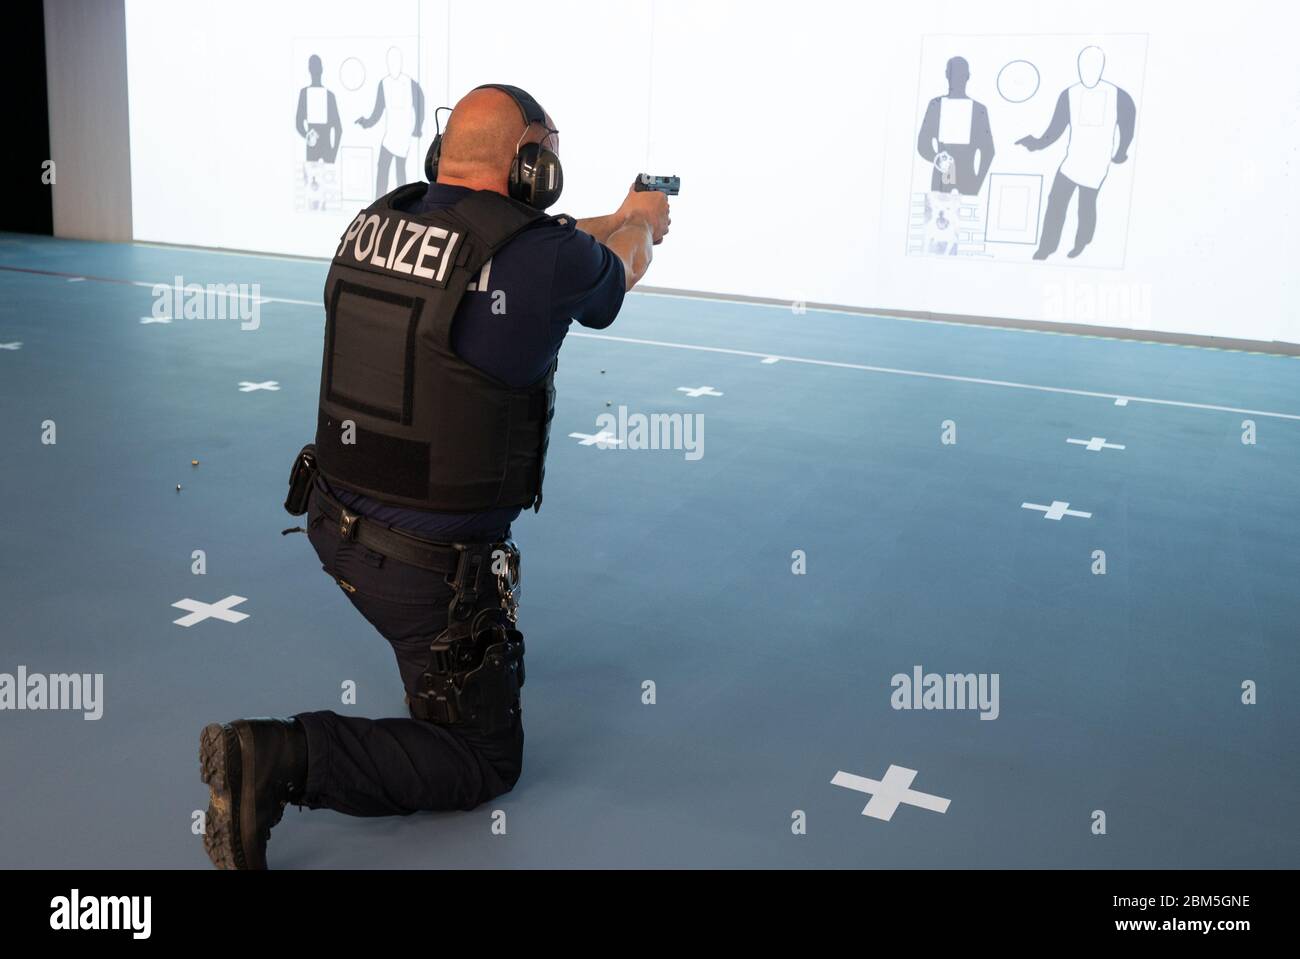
column 550, row 274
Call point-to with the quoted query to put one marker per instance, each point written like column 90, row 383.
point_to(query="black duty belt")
column 439, row 557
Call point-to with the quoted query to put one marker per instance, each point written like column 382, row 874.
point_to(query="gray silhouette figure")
column 1093, row 109
column 318, row 117
column 398, row 99
column 965, row 122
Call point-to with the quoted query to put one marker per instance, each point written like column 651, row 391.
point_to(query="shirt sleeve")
column 589, row 283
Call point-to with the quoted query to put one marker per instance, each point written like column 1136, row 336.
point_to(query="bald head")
column 482, row 134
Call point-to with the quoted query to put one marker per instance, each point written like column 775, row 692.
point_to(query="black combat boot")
column 253, row 768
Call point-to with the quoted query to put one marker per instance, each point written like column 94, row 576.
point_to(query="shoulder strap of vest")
column 403, row 194
column 492, row 218
column 489, row 221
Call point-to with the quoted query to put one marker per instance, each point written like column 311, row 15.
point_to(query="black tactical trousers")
column 387, row 767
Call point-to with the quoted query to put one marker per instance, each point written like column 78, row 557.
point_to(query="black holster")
column 474, row 676
column 476, row 664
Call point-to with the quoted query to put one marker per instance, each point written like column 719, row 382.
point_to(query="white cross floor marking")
column 1096, row 443
column 17, row 345
column 1057, row 510
column 604, row 437
column 198, row 611
column 247, row 387
column 697, row 391
column 155, row 319
column 889, row 791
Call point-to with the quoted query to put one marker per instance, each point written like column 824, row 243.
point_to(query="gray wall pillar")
column 90, row 139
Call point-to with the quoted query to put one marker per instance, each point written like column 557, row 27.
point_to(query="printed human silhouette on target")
column 318, row 116
column 1101, row 118
column 956, row 137
column 400, row 102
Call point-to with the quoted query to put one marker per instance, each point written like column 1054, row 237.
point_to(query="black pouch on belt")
column 301, row 480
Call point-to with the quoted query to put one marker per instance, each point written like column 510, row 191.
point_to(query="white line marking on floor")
column 1096, row 444
column 76, row 279
column 155, row 319
column 603, row 439
column 199, row 611
column 16, row 345
column 889, row 791
column 1057, row 510
column 252, row 254
column 247, row 387
column 921, row 374
column 697, row 391
column 770, row 360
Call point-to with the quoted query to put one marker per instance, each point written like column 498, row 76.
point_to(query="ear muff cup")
column 431, row 159
column 536, row 177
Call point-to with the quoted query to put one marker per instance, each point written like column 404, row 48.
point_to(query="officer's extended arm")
column 601, row 227
column 652, row 203
column 639, row 223
column 633, row 243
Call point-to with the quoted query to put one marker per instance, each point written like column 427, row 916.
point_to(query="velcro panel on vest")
column 370, row 350
column 376, row 463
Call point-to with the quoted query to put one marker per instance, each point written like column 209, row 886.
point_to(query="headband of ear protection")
column 536, row 177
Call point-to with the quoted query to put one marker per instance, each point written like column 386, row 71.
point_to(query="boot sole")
column 220, row 767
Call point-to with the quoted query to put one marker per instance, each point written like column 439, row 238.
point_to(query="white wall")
column 794, row 130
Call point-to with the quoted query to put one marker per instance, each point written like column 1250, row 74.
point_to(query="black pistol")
column 664, row 184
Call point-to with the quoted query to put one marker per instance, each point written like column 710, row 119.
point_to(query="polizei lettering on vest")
column 410, row 248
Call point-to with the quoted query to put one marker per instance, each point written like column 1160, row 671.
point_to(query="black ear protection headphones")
column 536, row 177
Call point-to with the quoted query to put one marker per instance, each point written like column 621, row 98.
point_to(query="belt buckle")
column 347, row 524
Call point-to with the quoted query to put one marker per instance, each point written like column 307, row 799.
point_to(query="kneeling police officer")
column 445, row 310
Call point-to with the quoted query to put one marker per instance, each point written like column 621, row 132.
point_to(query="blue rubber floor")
column 1119, row 693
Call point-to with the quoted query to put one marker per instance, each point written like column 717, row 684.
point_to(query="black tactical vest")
column 403, row 418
